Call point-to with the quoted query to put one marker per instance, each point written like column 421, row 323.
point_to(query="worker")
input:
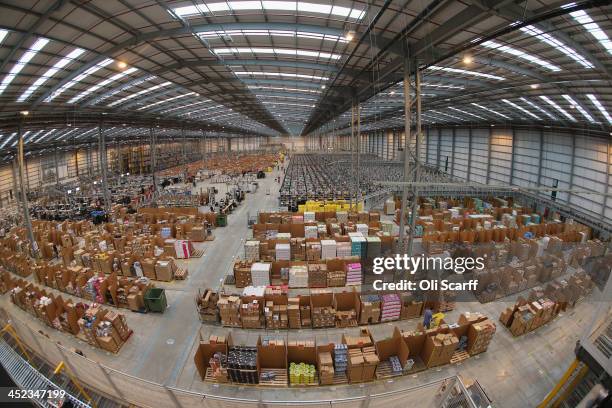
column 437, row 319
column 427, row 315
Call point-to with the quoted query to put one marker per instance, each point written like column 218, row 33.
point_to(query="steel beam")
column 407, row 125
column 102, row 159
column 22, row 189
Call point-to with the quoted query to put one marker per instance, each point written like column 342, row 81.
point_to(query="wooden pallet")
column 340, row 378
column 280, row 380
column 459, row 356
column 197, row 253
column 350, row 323
column 180, row 274
column 384, row 370
column 417, row 367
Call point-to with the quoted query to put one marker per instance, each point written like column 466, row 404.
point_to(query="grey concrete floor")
column 515, row 372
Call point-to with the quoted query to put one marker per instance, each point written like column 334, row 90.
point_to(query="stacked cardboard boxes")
column 391, row 307
column 317, row 275
column 242, row 274
column 283, row 252
column 313, row 251
column 324, row 316
column 479, row 336
column 310, row 231
column 298, row 276
column 250, row 315
column 293, row 313
column 439, row 348
column 229, row 310
column 251, row 250
column 328, row 249
column 343, row 249
column 276, row 315
column 336, row 279
column 353, row 274
column 260, row 274
column 370, row 309
column 326, row 368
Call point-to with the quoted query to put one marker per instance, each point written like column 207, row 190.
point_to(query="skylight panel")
column 8, row 139
column 443, row 86
column 24, row 135
column 275, row 88
column 593, row 28
column 102, row 84
column 63, row 136
column 45, row 135
column 465, row 72
column 446, row 114
column 245, row 5
column 185, row 106
column 601, row 108
column 557, row 107
column 3, row 34
column 50, row 73
column 315, row 8
column 515, row 106
column 265, row 96
column 538, row 107
column 580, row 108
column 492, row 111
column 165, row 101
column 552, row 41
column 466, row 113
column 139, row 93
column 22, row 62
column 281, row 51
column 78, row 79
column 270, row 33
column 281, row 74
column 520, row 54
column 121, row 89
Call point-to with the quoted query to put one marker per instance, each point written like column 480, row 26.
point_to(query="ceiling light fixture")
column 534, row 86
column 350, row 36
column 122, row 64
column 467, row 59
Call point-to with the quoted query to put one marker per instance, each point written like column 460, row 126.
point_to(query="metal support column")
column 417, row 164
column 452, row 169
column 102, row 159
column 56, row 167
column 153, row 154
column 513, row 156
column 24, row 198
column 488, row 175
column 607, row 189
column 352, row 147
column 571, row 180
column 469, row 156
column 541, row 156
column 358, row 189
column 184, row 145
column 407, row 124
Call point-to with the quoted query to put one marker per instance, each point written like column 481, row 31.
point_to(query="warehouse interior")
column 207, row 203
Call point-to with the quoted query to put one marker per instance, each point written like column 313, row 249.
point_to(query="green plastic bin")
column 221, row 220
column 155, row 300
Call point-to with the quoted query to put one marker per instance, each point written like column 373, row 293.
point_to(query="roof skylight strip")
column 78, row 79
column 281, row 74
column 139, row 93
column 24, row 135
column 107, row 81
column 50, row 73
column 3, row 34
column 520, row 54
column 601, row 108
column 580, row 108
column 466, row 113
column 22, row 62
column 446, row 114
column 275, row 88
column 491, row 110
column 593, row 28
column 210, row 34
column 557, row 107
column 281, row 51
column 63, row 136
column 515, row 106
column 185, row 106
column 465, row 72
column 166, row 101
column 8, row 139
column 537, row 107
column 45, row 135
column 125, row 87
column 552, row 41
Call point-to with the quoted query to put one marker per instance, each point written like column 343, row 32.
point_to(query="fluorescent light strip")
column 229, row 6
column 520, row 54
column 446, row 114
column 593, row 28
column 185, row 106
column 24, row 135
column 492, row 111
column 139, row 93
column 32, row 136
column 601, row 108
column 281, row 74
column 466, row 113
column 8, row 139
column 214, row 34
column 201, row 110
column 279, row 51
column 165, row 101
column 580, row 108
column 552, row 41
column 22, row 62
column 107, row 81
column 78, row 79
column 50, row 72
column 63, row 136
column 515, row 106
column 539, row 108
column 264, row 96
column 3, row 34
column 557, row 107
column 45, row 135
column 444, row 86
column 281, row 104
column 274, row 88
column 119, row 90
column 465, row 72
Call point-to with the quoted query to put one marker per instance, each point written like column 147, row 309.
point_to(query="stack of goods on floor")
column 310, row 231
column 229, row 310
column 218, row 363
column 343, row 249
column 362, row 358
column 309, row 216
column 207, row 306
column 334, row 229
column 328, row 249
column 391, row 307
column 353, row 274
column 439, row 348
column 479, row 334
column 251, row 250
column 411, row 308
column 260, row 274
column 340, row 358
column 293, row 313
column 250, row 314
column 336, row 279
column 363, row 229
column 298, row 276
column 342, row 217
column 298, row 249
column 313, row 251
column 112, row 332
column 386, row 227
column 324, row 316
column 242, row 365
column 317, row 275
column 242, row 274
column 390, row 206
column 276, row 315
column 322, row 230
column 528, row 316
column 370, row 309
column 374, row 247
column 569, row 291
column 306, row 315
column 326, row 368
column 283, row 252
column 358, row 244
column 302, row 374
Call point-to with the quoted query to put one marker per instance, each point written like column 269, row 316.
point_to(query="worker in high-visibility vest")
column 437, row 319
